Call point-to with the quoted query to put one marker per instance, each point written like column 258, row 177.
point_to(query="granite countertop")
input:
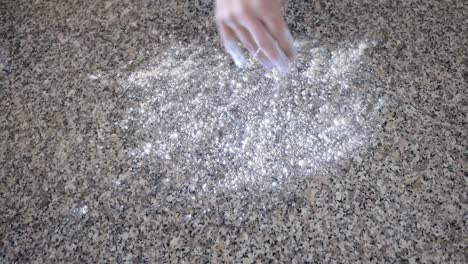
column 128, row 136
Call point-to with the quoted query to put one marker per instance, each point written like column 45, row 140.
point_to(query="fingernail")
column 266, row 63
column 236, row 54
column 282, row 63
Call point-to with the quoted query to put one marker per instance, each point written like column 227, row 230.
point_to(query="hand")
column 259, row 26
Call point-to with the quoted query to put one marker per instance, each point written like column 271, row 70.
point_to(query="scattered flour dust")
column 209, row 126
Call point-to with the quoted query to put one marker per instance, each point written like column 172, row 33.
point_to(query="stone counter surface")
column 128, row 136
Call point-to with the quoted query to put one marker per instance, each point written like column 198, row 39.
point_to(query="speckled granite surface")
column 72, row 191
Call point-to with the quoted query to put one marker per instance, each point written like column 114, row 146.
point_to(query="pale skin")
column 259, row 26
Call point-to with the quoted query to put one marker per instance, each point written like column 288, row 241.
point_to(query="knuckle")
column 230, row 17
column 242, row 9
column 242, row 12
column 263, row 4
column 277, row 24
column 242, row 15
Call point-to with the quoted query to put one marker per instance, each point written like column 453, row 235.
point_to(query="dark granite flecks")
column 70, row 193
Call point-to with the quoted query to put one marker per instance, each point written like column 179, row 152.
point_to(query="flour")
column 221, row 128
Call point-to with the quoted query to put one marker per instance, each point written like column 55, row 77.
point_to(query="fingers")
column 244, row 37
column 266, row 43
column 259, row 26
column 249, row 43
column 228, row 38
column 278, row 29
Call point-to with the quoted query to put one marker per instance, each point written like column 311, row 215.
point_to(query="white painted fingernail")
column 282, row 66
column 282, row 63
column 236, row 54
column 264, row 61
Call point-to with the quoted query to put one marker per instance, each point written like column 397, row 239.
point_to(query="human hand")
column 260, row 27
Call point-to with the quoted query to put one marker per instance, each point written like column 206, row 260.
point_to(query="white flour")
column 208, row 124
